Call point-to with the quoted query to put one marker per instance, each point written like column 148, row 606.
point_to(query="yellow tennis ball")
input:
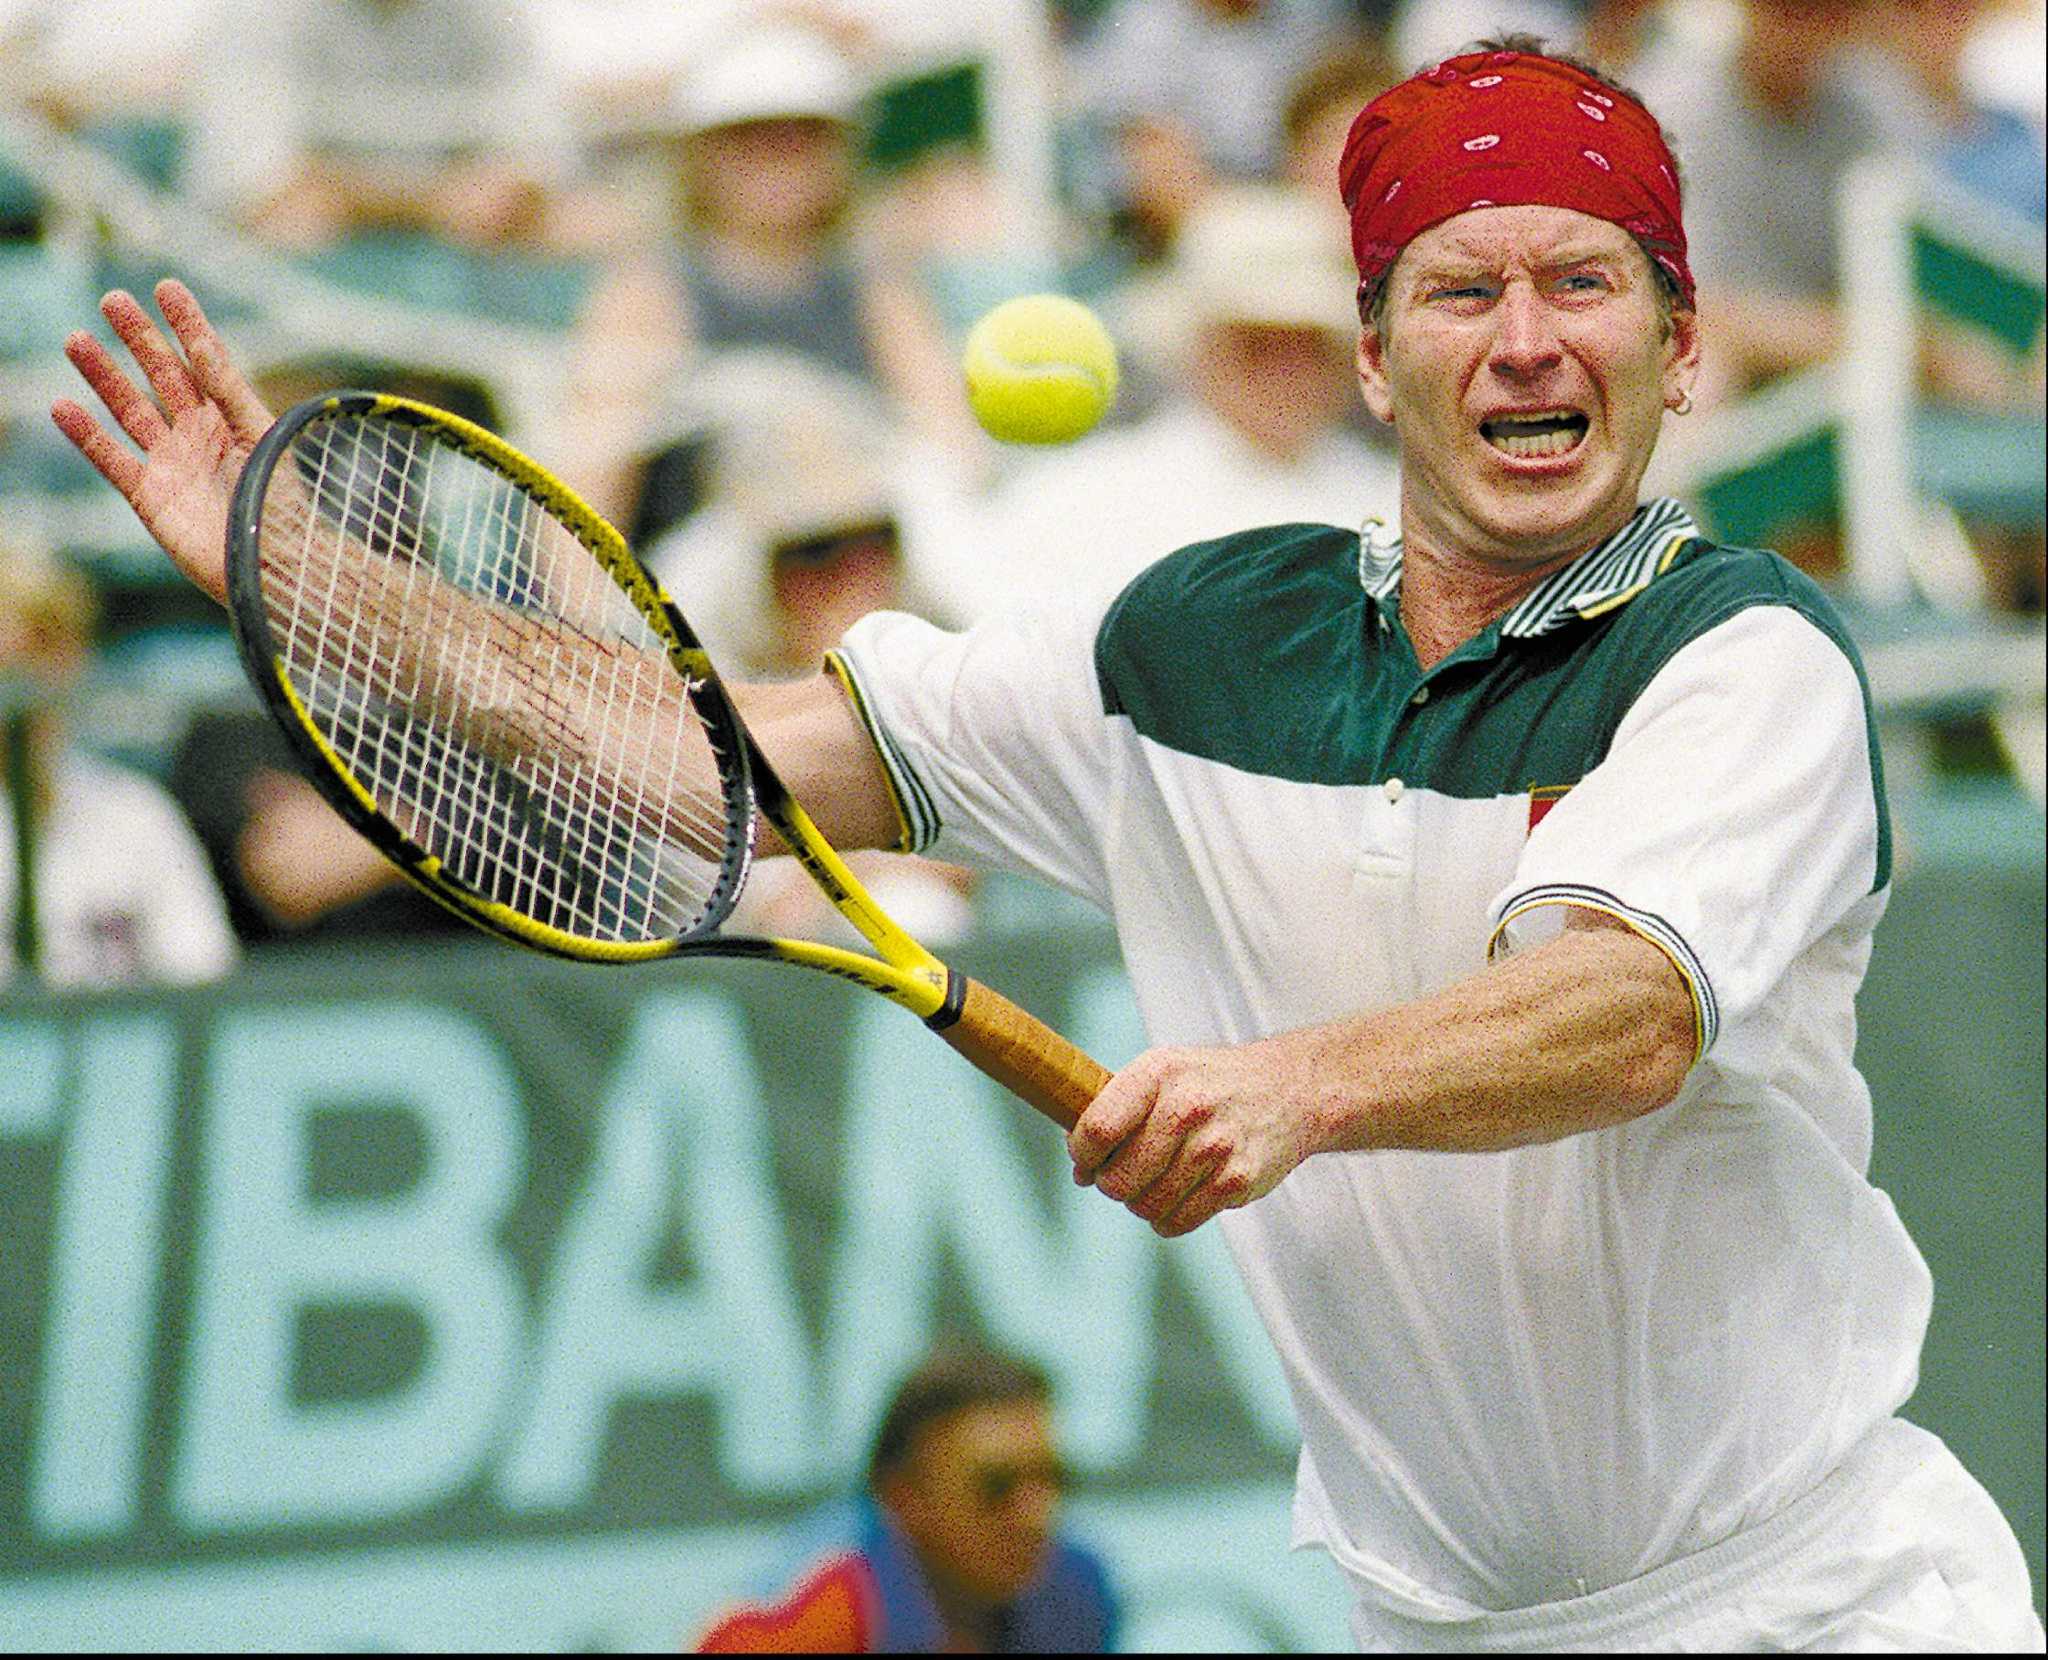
column 1040, row 370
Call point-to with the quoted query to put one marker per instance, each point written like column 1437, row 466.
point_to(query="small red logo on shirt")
column 1543, row 797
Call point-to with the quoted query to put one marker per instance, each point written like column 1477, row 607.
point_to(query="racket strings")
column 477, row 673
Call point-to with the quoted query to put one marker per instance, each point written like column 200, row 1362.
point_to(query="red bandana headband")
column 1505, row 129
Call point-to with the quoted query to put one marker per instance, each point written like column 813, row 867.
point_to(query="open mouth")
column 1532, row 436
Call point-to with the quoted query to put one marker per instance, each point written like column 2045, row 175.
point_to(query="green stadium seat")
column 1791, row 448
column 1988, row 467
column 519, row 290
column 1958, row 282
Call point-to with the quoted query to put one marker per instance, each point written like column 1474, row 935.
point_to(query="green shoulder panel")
column 1245, row 651
column 1261, row 652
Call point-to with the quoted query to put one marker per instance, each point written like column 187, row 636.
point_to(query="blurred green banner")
column 451, row 1296
column 443, row 1296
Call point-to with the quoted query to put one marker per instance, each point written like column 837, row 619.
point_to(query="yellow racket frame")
column 1005, row 1042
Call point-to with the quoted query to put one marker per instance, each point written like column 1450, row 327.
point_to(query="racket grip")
column 1024, row 1055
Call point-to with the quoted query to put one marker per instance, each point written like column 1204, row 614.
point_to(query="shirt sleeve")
column 994, row 739
column 1733, row 822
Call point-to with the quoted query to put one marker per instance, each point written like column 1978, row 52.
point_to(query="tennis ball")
column 1041, row 369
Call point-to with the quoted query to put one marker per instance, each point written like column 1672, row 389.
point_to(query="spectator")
column 811, row 519
column 767, row 163
column 1993, row 152
column 317, row 119
column 618, row 59
column 1323, row 101
column 116, row 59
column 808, row 520
column 954, row 1546
column 122, row 893
column 287, row 864
column 1258, row 333
column 1766, row 124
column 1189, row 93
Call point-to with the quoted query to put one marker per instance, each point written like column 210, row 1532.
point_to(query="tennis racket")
column 476, row 671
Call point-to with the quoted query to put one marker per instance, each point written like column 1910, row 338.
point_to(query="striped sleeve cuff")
column 916, row 814
column 1667, row 939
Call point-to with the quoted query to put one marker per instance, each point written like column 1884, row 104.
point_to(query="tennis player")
column 1497, row 894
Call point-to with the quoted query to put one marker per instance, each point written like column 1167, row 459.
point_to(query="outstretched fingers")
column 212, row 369
column 169, row 376
column 112, row 460
column 190, row 387
column 124, row 400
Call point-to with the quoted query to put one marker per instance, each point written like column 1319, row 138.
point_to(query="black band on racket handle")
column 948, row 1012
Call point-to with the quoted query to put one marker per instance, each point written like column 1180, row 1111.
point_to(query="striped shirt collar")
column 1598, row 580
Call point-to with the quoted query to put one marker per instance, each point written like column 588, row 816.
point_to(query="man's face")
column 977, row 1497
column 781, row 174
column 1525, row 365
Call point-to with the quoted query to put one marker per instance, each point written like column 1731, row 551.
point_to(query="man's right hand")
column 195, row 437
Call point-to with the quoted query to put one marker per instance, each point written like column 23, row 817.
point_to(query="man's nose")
column 1525, row 339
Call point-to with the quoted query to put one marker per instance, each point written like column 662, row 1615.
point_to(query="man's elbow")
column 1664, row 1045
column 1646, row 1013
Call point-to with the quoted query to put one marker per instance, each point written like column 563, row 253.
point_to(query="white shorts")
column 1899, row 1551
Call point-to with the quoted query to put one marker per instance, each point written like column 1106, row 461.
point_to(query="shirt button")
column 1421, row 696
column 1393, row 788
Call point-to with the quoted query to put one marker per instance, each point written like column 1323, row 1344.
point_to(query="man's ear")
column 1682, row 359
column 1372, row 374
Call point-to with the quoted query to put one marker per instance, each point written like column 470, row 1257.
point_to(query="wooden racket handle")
column 1024, row 1055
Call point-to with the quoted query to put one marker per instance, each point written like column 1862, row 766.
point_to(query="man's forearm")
column 820, row 750
column 1592, row 1029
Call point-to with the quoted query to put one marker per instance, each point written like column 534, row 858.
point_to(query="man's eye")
column 1470, row 291
column 1584, row 282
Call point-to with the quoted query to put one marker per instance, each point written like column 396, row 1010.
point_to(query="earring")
column 1684, row 404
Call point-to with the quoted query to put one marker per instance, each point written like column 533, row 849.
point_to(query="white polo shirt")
column 1524, row 1375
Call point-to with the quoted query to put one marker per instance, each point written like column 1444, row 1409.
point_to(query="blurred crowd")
column 737, row 244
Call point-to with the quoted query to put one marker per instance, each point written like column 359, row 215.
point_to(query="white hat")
column 1265, row 253
column 765, row 71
